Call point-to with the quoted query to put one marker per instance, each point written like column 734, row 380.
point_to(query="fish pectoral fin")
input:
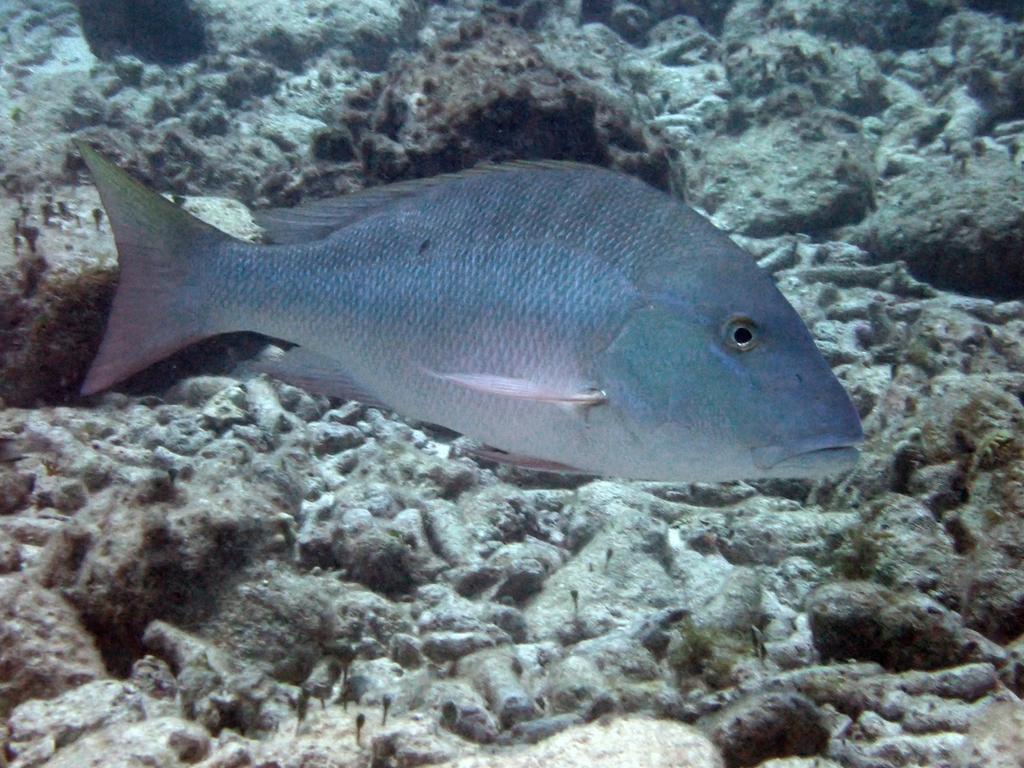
column 522, row 389
column 317, row 373
column 523, row 462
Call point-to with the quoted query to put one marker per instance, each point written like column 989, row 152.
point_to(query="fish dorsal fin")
column 318, row 219
column 317, row 373
column 522, row 389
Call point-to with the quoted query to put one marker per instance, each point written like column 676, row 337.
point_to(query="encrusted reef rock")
column 770, row 725
column 876, row 24
column 867, row 622
column 172, row 33
column 208, row 566
column 953, row 128
column 53, row 321
column 168, row 33
column 44, row 650
column 486, row 92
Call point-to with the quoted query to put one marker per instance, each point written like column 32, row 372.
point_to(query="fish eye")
column 741, row 334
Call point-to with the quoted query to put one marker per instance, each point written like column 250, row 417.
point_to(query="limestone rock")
column 44, row 650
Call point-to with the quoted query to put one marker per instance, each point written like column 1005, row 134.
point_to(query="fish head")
column 721, row 380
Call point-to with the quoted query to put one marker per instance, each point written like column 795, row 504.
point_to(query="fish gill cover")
column 207, row 551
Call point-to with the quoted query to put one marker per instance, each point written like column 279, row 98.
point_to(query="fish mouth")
column 814, row 456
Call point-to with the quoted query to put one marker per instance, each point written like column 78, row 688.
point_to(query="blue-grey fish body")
column 569, row 316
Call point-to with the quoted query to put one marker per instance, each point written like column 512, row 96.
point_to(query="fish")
column 11, row 449
column 566, row 317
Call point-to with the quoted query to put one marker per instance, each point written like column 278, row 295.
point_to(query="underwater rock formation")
column 212, row 567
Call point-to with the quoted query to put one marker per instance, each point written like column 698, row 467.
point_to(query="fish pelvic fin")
column 317, row 373
column 158, row 307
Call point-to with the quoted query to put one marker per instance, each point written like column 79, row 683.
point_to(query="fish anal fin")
column 523, row 462
column 317, row 373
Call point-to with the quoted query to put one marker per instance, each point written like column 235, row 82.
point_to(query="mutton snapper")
column 568, row 316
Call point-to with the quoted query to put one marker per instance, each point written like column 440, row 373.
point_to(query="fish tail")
column 159, row 305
